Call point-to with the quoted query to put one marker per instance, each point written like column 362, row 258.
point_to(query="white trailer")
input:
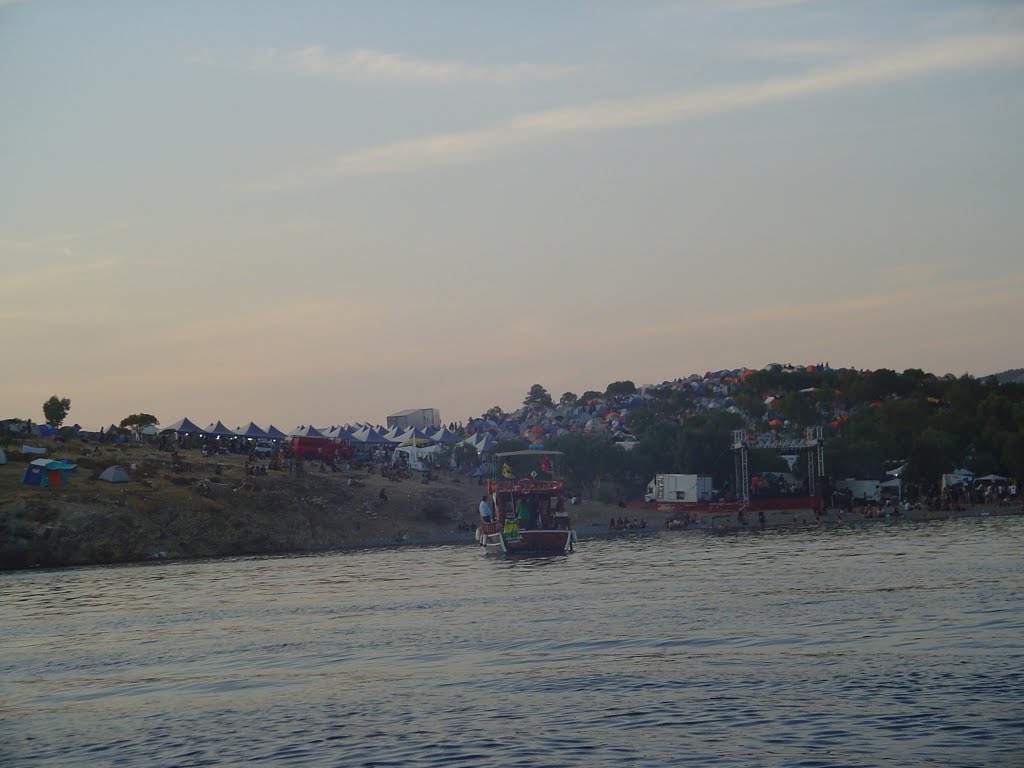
column 689, row 489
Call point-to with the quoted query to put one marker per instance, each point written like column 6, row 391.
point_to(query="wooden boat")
column 527, row 493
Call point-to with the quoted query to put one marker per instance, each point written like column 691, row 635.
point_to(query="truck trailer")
column 687, row 489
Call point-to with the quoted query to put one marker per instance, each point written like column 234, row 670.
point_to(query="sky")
column 327, row 212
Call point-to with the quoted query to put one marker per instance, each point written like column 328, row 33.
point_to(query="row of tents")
column 357, row 434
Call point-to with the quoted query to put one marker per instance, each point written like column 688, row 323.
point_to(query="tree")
column 138, row 421
column 55, row 410
column 538, row 396
column 620, row 388
column 494, row 413
column 568, row 398
column 589, row 395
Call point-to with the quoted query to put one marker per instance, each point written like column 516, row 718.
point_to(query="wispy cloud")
column 796, row 50
column 547, row 125
column 368, row 65
column 49, row 274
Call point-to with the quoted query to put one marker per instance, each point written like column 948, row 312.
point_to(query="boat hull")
column 528, row 542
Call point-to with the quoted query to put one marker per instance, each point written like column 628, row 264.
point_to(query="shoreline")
column 210, row 507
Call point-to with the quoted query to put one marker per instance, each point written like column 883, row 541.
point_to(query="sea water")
column 884, row 645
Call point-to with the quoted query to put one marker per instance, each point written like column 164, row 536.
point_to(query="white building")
column 416, row 417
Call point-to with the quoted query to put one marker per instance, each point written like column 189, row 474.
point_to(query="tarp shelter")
column 251, row 430
column 183, row 427
column 114, row 474
column 33, row 450
column 990, row 479
column 45, row 472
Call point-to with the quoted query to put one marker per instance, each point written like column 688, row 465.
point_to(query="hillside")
column 1012, row 376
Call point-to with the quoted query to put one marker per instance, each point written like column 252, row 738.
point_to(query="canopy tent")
column 419, row 442
column 218, row 429
column 276, row 434
column 485, row 444
column 369, row 437
column 950, row 480
column 990, row 479
column 251, row 430
column 446, row 436
column 46, row 472
column 301, row 431
column 183, row 427
column 114, row 474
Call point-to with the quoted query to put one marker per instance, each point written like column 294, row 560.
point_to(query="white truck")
column 680, row 488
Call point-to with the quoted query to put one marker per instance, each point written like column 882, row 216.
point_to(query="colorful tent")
column 46, row 472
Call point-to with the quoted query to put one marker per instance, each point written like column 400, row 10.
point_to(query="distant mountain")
column 1012, row 376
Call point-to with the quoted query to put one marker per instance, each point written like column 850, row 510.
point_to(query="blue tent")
column 309, row 431
column 183, row 426
column 46, row 472
column 219, row 429
column 370, row 437
column 251, row 430
column 446, row 436
column 276, row 434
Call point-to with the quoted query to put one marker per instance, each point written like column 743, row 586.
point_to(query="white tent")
column 114, row 474
column 414, row 456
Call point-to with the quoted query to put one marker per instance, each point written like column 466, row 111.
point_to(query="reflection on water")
column 887, row 645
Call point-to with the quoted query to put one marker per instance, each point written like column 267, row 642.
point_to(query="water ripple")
column 878, row 646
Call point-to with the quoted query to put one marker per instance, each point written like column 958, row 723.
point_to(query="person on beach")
column 486, row 514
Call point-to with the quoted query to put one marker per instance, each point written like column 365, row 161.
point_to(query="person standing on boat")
column 523, row 513
column 486, row 515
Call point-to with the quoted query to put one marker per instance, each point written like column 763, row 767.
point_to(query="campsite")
column 202, row 506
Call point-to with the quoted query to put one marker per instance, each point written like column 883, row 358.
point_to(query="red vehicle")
column 321, row 448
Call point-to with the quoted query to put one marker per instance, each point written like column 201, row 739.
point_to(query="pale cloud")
column 736, row 5
column 42, row 276
column 793, row 50
column 368, row 65
column 905, row 63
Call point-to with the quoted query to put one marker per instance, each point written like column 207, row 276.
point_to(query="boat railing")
column 524, row 485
